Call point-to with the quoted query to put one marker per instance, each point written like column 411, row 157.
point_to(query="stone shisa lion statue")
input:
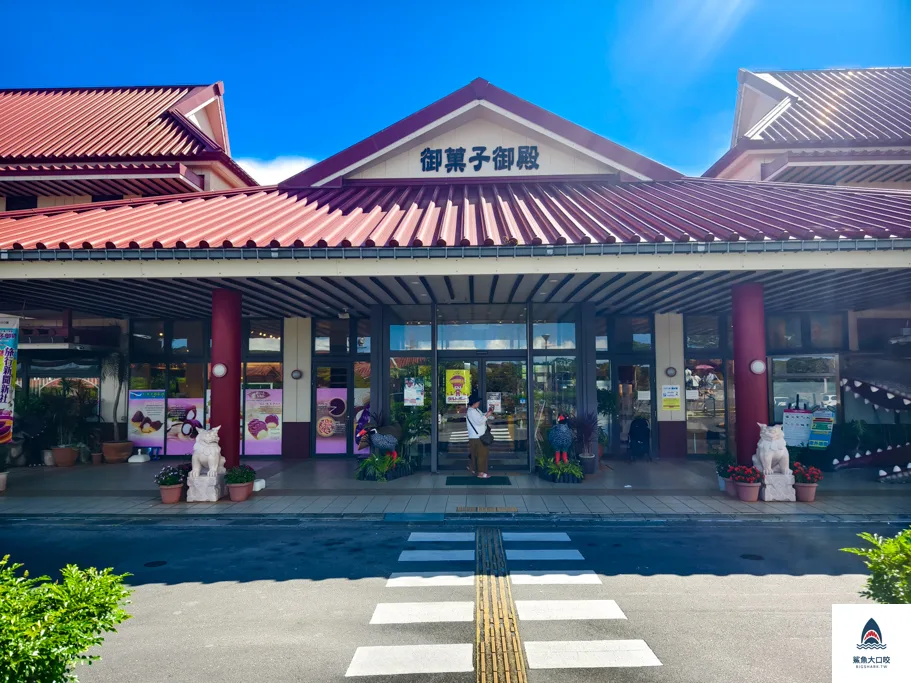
column 206, row 454
column 772, row 460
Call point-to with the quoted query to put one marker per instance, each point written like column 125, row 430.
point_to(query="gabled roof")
column 826, row 108
column 447, row 214
column 475, row 93
column 111, row 123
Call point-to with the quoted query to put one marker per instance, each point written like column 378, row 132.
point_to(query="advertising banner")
column 796, row 427
column 414, row 391
column 263, row 422
column 9, row 344
column 361, row 418
column 670, row 397
column 184, row 418
column 147, row 418
column 821, row 429
column 331, row 417
column 458, row 387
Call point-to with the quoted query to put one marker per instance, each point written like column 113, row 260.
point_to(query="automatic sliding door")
column 506, row 383
column 457, row 381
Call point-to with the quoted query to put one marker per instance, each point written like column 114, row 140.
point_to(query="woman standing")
column 477, row 425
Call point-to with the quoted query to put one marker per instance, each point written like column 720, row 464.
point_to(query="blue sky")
column 304, row 80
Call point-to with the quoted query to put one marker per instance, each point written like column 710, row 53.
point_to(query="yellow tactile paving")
column 499, row 657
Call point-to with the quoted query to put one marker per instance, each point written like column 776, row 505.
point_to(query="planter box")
column 806, row 493
column 397, row 472
column 558, row 479
column 64, row 456
column 171, row 494
column 117, row 451
column 240, row 492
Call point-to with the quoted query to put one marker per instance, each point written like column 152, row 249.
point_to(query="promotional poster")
column 184, row 419
column 9, row 342
column 147, row 418
column 263, row 422
column 458, row 387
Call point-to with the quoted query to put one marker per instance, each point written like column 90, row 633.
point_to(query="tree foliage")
column 889, row 562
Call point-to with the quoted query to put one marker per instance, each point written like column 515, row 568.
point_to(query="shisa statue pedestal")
column 208, row 486
column 772, row 460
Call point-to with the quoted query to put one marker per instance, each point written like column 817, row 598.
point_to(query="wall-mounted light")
column 757, row 367
column 219, row 370
column 670, row 372
column 297, row 374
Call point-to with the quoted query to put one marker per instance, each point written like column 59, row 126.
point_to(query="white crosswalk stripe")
column 567, row 577
column 437, row 556
column 393, row 660
column 446, row 537
column 422, row 612
column 570, row 554
column 430, row 579
column 588, row 654
column 535, row 537
column 566, row 610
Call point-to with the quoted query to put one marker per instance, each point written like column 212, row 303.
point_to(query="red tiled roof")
column 83, row 123
column 448, row 214
column 840, row 105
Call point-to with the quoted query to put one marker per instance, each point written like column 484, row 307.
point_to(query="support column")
column 671, row 414
column 226, row 341
column 751, row 390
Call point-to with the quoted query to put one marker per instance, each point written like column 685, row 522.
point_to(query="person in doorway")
column 477, row 425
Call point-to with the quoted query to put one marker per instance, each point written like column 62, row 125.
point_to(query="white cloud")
column 273, row 171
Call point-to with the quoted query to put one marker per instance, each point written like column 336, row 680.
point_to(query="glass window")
column 705, row 390
column 187, row 338
column 554, row 326
column 804, row 382
column 331, row 336
column 363, row 335
column 554, row 385
column 873, row 334
column 186, row 400
column 783, row 332
column 826, row 331
column 607, row 402
column 702, row 332
column 601, row 334
column 488, row 327
column 632, row 334
column 148, row 336
column 265, row 336
column 410, row 384
column 264, row 375
column 634, row 398
column 145, row 376
column 732, row 413
column 361, row 403
column 410, row 328
column 331, row 408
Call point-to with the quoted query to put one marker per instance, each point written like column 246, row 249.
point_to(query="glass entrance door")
column 333, row 413
column 502, row 385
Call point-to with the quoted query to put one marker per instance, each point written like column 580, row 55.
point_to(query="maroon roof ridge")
column 62, row 88
column 479, row 89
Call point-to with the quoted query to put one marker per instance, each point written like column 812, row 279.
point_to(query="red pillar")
column 751, row 391
column 226, row 340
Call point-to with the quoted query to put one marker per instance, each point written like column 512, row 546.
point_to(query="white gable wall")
column 553, row 157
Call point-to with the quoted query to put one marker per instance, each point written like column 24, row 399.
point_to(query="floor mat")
column 477, row 481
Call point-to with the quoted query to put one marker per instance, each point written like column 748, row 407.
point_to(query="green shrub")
column 889, row 562
column 46, row 626
column 242, row 474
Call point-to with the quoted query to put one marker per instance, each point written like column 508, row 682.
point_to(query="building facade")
column 483, row 245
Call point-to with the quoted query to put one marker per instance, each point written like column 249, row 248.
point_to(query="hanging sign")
column 147, row 418
column 796, row 426
column 821, row 429
column 414, row 391
column 9, row 344
column 458, row 387
column 670, row 397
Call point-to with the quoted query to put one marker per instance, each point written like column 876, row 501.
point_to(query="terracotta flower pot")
column 748, row 493
column 97, row 458
column 64, row 456
column 117, row 451
column 730, row 487
column 240, row 492
column 806, row 493
column 171, row 494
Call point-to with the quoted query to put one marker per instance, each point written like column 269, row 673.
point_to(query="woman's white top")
column 478, row 423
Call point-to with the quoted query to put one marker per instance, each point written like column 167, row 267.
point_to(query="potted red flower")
column 806, row 479
column 170, row 484
column 240, row 482
column 748, row 480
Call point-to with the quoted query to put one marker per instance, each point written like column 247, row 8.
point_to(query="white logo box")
column 888, row 644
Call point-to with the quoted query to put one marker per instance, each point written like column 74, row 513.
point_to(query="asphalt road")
column 275, row 602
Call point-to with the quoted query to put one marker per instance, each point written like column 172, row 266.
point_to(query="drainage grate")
column 155, row 563
column 750, row 556
column 475, row 509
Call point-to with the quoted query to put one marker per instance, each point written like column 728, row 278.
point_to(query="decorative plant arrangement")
column 378, row 467
column 46, row 627
column 889, row 562
column 559, row 472
column 384, row 462
column 586, row 428
column 723, row 463
column 806, row 480
column 170, row 482
column 240, row 482
column 748, row 481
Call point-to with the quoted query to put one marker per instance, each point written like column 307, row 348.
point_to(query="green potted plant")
column 889, row 562
column 585, row 427
column 114, row 367
column 806, row 479
column 240, row 482
column 748, row 480
column 170, row 484
column 723, row 462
